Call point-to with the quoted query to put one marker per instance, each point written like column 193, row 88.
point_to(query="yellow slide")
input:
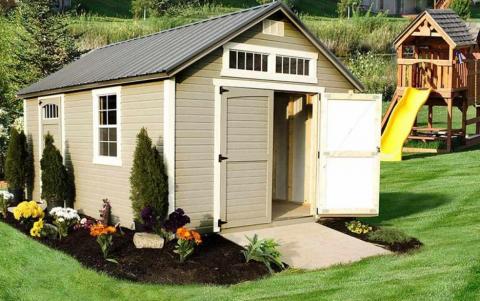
column 400, row 123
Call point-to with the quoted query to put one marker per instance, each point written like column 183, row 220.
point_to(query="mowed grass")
column 433, row 198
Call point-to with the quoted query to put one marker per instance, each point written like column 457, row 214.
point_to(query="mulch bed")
column 339, row 225
column 215, row 261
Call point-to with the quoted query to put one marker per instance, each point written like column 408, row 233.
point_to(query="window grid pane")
column 247, row 60
column 292, row 65
column 107, row 130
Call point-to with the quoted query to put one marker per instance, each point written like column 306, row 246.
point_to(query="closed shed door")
column 51, row 121
column 246, row 156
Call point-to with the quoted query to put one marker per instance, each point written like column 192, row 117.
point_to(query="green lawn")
column 434, row 198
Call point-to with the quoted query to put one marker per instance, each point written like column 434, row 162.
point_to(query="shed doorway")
column 292, row 149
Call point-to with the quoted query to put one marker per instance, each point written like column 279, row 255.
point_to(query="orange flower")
column 197, row 237
column 100, row 229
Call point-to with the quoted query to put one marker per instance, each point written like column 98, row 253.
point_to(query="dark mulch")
column 215, row 261
column 403, row 247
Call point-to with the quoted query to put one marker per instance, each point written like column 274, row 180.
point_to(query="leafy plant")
column 15, row 167
column 186, row 242
column 263, row 250
column 64, row 218
column 148, row 180
column 357, row 227
column 106, row 212
column 388, row 236
column 177, row 219
column 54, row 175
column 104, row 235
column 462, row 8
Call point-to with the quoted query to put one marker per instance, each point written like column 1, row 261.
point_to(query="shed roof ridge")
column 275, row 3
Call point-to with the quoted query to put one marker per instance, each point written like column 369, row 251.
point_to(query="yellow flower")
column 37, row 228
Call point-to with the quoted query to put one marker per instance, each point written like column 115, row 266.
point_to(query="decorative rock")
column 145, row 240
column 42, row 205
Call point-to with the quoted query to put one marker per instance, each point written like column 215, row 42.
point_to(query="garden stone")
column 42, row 205
column 145, row 240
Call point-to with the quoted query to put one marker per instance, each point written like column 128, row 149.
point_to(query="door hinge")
column 220, row 223
column 222, row 90
column 221, row 158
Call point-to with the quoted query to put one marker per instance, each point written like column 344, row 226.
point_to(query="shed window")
column 247, row 60
column 107, row 125
column 292, row 65
column 50, row 111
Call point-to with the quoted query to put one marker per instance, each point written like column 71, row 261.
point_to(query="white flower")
column 7, row 195
column 68, row 214
column 83, row 221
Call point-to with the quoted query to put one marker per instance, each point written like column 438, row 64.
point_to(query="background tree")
column 15, row 164
column 148, row 180
column 462, row 8
column 54, row 175
column 52, row 45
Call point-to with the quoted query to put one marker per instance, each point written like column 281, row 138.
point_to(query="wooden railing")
column 442, row 4
column 435, row 74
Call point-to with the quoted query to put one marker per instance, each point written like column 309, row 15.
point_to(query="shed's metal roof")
column 456, row 29
column 159, row 53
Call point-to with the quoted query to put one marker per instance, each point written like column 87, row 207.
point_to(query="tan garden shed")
column 257, row 120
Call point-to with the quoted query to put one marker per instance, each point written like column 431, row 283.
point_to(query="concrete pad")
column 311, row 245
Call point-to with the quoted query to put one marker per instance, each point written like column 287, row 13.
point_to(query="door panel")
column 246, row 140
column 349, row 165
column 51, row 121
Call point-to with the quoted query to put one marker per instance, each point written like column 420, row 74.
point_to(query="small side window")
column 50, row 111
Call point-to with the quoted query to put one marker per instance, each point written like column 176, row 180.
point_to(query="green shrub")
column 148, row 180
column 263, row 250
column 54, row 175
column 377, row 73
column 389, row 236
column 15, row 164
column 344, row 5
column 462, row 8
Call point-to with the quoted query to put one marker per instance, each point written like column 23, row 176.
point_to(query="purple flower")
column 176, row 219
column 148, row 217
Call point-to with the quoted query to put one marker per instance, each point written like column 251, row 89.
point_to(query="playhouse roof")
column 453, row 27
column 163, row 54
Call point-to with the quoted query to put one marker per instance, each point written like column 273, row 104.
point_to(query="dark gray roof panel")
column 156, row 53
column 453, row 26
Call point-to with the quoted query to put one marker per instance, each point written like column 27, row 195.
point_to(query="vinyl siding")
column 195, row 119
column 31, row 131
column 141, row 106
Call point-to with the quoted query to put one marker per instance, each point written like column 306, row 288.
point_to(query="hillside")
column 121, row 8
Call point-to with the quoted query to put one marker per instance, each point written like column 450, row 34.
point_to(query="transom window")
column 107, row 125
column 247, row 60
column 242, row 60
column 292, row 65
column 50, row 111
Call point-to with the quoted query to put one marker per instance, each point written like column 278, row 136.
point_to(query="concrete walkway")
column 311, row 245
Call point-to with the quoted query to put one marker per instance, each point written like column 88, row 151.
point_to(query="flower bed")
column 215, row 261
column 398, row 245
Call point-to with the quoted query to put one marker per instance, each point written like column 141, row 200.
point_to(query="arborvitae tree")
column 51, row 43
column 15, row 167
column 148, row 180
column 462, row 8
column 29, row 168
column 54, row 175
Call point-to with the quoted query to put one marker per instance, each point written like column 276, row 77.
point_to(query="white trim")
column 271, row 74
column 169, row 137
column 106, row 160
column 62, row 107
column 216, row 152
column 217, row 130
column 25, row 127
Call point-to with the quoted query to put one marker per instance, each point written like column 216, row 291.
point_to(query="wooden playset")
column 439, row 51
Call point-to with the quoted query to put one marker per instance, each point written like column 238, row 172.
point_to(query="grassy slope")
column 433, row 198
column 121, row 8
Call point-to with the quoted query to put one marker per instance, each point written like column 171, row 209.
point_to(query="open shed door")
column 348, row 170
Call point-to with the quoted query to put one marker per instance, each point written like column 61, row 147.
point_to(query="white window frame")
column 97, row 158
column 44, row 111
column 270, row 74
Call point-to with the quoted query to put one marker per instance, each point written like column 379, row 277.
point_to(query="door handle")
column 221, row 158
